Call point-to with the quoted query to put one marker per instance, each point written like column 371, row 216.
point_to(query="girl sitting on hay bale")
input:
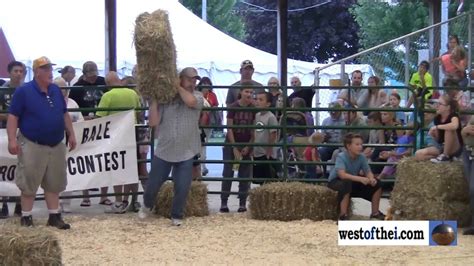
column 468, row 162
column 347, row 180
column 446, row 133
column 397, row 154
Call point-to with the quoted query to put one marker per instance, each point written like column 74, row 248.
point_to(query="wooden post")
column 435, row 37
column 110, row 35
column 282, row 41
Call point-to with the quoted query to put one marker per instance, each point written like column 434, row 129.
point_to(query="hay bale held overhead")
column 289, row 201
column 196, row 203
column 28, row 246
column 428, row 191
column 156, row 57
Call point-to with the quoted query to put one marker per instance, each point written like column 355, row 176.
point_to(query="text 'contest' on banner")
column 105, row 155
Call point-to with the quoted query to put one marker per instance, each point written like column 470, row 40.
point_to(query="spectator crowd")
column 354, row 134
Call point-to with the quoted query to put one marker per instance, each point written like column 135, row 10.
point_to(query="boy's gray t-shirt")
column 352, row 167
column 262, row 135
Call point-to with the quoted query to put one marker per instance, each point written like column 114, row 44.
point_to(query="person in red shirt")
column 208, row 118
column 311, row 154
column 208, row 94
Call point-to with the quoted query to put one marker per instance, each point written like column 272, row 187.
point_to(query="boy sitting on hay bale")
column 347, row 180
column 468, row 162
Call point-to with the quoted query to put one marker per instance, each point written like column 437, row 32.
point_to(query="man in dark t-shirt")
column 88, row 98
column 305, row 93
column 246, row 72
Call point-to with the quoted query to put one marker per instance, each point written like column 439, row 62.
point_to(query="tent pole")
column 110, row 35
column 204, row 10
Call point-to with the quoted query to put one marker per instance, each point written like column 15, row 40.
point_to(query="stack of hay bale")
column 157, row 75
column 428, row 191
column 196, row 203
column 26, row 246
column 293, row 201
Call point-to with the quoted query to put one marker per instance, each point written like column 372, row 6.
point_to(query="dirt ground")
column 231, row 239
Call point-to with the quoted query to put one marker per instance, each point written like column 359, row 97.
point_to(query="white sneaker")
column 176, row 222
column 442, row 158
column 144, row 212
column 117, row 207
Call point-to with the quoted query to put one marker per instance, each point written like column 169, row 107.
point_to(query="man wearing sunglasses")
column 38, row 110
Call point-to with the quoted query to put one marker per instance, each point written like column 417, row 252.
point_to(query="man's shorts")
column 355, row 189
column 41, row 165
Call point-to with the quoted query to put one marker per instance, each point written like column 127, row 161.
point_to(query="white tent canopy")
column 72, row 32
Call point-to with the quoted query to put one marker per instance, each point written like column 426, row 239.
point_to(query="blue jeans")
column 245, row 170
column 182, row 178
column 469, row 174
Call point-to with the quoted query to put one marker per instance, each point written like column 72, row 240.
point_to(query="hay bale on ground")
column 28, row 246
column 428, row 191
column 156, row 57
column 293, row 201
column 196, row 204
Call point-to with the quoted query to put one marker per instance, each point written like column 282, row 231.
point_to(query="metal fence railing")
column 284, row 144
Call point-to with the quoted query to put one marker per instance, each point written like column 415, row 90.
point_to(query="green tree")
column 380, row 22
column 220, row 14
column 322, row 33
column 461, row 28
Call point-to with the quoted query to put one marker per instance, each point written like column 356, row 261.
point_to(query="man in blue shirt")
column 352, row 177
column 38, row 109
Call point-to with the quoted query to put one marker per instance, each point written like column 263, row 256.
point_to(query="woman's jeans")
column 182, row 178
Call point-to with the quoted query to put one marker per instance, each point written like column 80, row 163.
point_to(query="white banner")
column 105, row 155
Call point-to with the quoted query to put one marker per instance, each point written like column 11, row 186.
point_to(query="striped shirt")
column 179, row 134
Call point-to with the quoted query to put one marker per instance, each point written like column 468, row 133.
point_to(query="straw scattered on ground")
column 232, row 239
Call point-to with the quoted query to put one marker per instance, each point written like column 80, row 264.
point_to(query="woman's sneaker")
column 120, row 207
column 144, row 212
column 442, row 158
column 378, row 216
column 176, row 222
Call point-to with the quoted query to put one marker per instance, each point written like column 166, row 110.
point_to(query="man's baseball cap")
column 189, row 72
column 89, row 69
column 246, row 63
column 336, row 105
column 66, row 69
column 42, row 61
